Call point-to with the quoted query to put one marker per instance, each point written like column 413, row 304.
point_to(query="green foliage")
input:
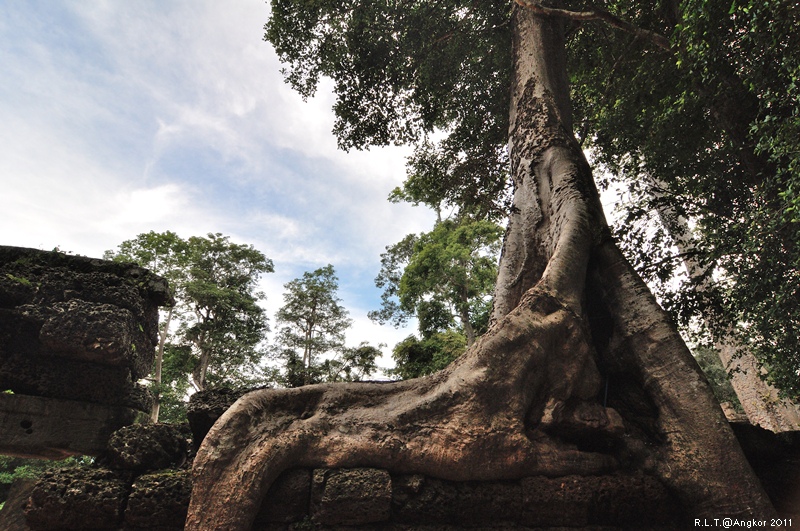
column 404, row 70
column 164, row 253
column 417, row 357
column 711, row 132
column 351, row 364
column 23, row 281
column 228, row 324
column 174, row 387
column 310, row 342
column 714, row 122
column 219, row 322
column 441, row 277
column 14, row 468
column 717, row 376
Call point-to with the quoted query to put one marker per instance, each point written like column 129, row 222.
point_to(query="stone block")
column 159, row 501
column 73, row 380
column 613, row 500
column 287, row 499
column 775, row 458
column 12, row 516
column 419, row 499
column 354, row 496
column 206, row 406
column 77, row 498
column 556, row 502
column 146, row 447
column 629, row 501
column 91, row 331
column 89, row 309
column 47, row 428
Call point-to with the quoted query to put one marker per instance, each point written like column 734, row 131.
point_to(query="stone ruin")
column 77, row 333
column 142, row 481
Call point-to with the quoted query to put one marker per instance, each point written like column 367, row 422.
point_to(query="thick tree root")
column 506, row 409
column 521, row 402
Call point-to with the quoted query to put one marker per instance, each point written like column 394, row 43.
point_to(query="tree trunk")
column 760, row 401
column 162, row 340
column 199, row 372
column 525, row 399
column 307, row 358
column 469, row 331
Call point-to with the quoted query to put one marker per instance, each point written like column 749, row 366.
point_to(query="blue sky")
column 118, row 118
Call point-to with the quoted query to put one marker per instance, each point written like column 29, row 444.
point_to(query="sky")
column 118, row 118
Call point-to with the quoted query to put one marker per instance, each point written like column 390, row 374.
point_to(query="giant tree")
column 570, row 313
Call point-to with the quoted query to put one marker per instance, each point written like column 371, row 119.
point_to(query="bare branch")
column 598, row 14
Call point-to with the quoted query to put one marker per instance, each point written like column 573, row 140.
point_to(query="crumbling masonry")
column 75, row 336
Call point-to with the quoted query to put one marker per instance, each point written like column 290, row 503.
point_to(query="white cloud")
column 118, row 118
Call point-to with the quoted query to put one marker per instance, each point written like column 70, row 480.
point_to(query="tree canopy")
column 228, row 323
column 219, row 322
column 708, row 129
column 312, row 324
column 404, row 70
column 442, row 277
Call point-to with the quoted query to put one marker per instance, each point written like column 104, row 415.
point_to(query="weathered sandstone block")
column 76, row 334
column 78, row 308
column 159, row 501
column 77, row 498
column 147, row 447
column 351, row 496
column 38, row 427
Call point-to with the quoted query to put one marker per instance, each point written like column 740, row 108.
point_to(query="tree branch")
column 598, row 14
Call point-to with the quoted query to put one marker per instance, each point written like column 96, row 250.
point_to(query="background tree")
column 228, row 324
column 175, row 383
column 167, row 255
column 440, row 277
column 708, row 133
column 220, row 324
column 415, row 357
column 569, row 310
column 312, row 324
column 445, row 279
column 352, row 364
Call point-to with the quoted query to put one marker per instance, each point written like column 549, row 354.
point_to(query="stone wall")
column 76, row 334
column 142, row 481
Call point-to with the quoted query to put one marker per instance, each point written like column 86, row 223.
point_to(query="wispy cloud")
column 118, row 118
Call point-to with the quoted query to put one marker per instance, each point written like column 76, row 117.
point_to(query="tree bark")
column 525, row 399
column 469, row 331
